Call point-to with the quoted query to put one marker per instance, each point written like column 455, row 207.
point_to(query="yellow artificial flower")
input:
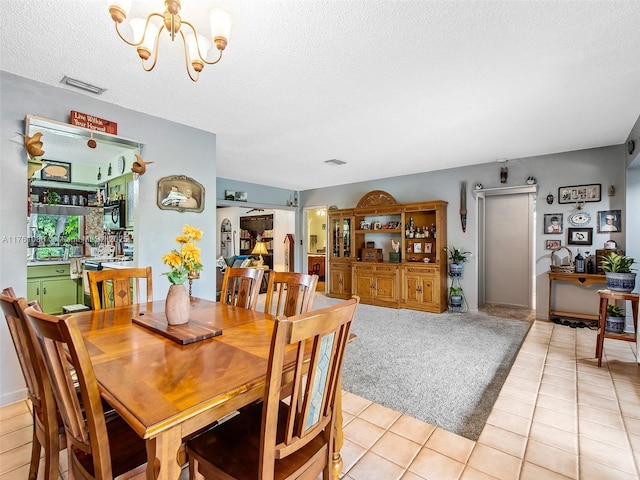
column 187, row 259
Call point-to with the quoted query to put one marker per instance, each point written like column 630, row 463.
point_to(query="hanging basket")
column 561, row 268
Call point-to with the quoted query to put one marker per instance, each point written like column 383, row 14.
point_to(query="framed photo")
column 552, row 244
column 552, row 223
column 610, row 221
column 241, row 196
column 180, row 193
column 229, row 195
column 365, row 225
column 417, row 248
column 377, row 226
column 579, row 236
column 579, row 193
column 427, row 248
column 55, row 171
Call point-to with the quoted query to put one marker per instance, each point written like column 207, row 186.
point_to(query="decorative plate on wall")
column 579, row 219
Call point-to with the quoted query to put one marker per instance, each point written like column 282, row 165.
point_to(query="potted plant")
column 615, row 319
column 455, row 296
column 456, row 259
column 617, row 269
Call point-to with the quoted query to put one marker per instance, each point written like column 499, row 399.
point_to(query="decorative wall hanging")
column 139, row 166
column 579, row 193
column 550, row 198
column 180, row 193
column 463, row 205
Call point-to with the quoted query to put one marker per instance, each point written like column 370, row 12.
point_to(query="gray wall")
column 600, row 165
column 175, row 150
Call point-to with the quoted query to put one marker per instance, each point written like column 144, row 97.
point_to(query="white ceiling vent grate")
column 334, row 161
column 87, row 87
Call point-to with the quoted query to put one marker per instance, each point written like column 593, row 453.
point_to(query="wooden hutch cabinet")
column 363, row 261
column 340, row 251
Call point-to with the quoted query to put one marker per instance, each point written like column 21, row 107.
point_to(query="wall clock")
column 121, row 165
column 579, row 219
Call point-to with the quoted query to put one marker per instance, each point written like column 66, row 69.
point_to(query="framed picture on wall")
column 579, row 193
column 55, row 171
column 552, row 223
column 180, row 193
column 610, row 221
column 579, row 236
column 552, row 244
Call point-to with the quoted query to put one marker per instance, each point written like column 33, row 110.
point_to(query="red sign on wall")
column 94, row 123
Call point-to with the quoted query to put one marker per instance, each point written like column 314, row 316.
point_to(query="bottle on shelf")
column 590, row 265
column 579, row 262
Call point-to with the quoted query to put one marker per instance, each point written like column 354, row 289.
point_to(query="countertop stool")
column 605, row 296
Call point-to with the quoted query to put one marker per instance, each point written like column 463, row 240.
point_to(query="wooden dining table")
column 167, row 391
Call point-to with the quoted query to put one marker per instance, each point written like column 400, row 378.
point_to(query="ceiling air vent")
column 334, row 161
column 87, row 87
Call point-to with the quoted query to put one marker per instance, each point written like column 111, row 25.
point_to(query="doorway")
column 506, row 246
column 316, row 243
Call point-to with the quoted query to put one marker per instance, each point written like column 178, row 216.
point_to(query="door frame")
column 532, row 191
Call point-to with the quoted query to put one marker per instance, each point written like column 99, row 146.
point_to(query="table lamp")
column 260, row 249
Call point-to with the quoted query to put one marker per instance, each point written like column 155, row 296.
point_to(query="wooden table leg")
column 338, row 441
column 162, row 455
column 602, row 323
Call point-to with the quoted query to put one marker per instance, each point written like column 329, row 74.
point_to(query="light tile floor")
column 558, row 416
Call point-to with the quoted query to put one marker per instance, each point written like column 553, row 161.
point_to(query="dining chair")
column 48, row 433
column 98, row 449
column 117, row 287
column 275, row 439
column 241, row 286
column 290, row 293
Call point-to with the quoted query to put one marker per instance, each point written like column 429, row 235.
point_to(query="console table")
column 580, row 279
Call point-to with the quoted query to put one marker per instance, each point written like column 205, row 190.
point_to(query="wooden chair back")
column 92, row 446
column 118, row 287
column 241, row 286
column 295, row 440
column 46, row 425
column 290, row 293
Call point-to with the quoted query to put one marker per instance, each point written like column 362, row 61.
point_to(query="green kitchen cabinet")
column 52, row 287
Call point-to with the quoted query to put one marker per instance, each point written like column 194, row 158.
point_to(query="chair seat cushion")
column 233, row 447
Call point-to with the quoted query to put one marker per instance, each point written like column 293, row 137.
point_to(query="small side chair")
column 241, row 286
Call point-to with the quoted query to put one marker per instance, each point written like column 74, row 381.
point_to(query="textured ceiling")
column 390, row 87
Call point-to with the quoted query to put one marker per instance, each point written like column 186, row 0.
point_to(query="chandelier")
column 146, row 34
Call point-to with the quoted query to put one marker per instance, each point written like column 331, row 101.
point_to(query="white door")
column 506, row 236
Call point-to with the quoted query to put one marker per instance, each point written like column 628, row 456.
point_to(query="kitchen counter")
column 37, row 263
column 117, row 265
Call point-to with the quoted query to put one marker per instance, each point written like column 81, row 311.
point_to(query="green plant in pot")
column 617, row 269
column 455, row 295
column 457, row 257
column 615, row 319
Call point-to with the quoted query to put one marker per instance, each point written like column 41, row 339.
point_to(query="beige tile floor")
column 558, row 416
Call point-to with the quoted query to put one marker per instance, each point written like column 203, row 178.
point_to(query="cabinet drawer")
column 48, row 271
column 363, row 268
column 386, row 269
column 416, row 271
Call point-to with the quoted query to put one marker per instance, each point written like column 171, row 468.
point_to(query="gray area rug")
column 446, row 369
